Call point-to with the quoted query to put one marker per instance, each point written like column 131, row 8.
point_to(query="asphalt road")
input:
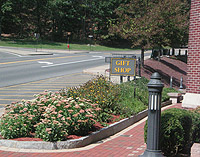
column 17, row 70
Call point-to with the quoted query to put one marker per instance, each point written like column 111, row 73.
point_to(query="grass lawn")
column 56, row 45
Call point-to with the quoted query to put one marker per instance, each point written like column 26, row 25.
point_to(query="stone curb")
column 83, row 141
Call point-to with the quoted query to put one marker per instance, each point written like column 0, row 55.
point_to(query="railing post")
column 171, row 82
column 155, row 87
column 121, row 79
column 179, row 52
column 139, row 67
column 181, row 84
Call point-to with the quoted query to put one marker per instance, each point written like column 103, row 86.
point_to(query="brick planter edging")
column 83, row 141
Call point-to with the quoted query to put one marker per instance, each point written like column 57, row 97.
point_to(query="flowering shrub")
column 50, row 115
column 18, row 119
column 99, row 91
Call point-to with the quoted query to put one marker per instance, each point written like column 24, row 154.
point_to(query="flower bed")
column 83, row 141
column 75, row 111
column 50, row 116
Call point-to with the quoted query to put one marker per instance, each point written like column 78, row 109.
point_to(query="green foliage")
column 53, row 116
column 196, row 125
column 50, row 115
column 176, row 131
column 129, row 104
column 143, row 23
column 99, row 91
column 165, row 97
column 151, row 24
column 19, row 119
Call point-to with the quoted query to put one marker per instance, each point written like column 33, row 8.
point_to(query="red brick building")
column 193, row 73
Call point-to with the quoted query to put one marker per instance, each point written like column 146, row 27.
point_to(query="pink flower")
column 24, row 124
column 63, row 118
column 58, row 105
column 70, row 111
column 94, row 105
column 25, row 109
column 89, row 110
column 98, row 109
column 77, row 106
column 54, row 112
column 89, row 115
column 68, row 118
column 81, row 111
column 48, row 129
column 75, row 115
column 64, row 100
column 55, row 122
column 67, row 106
column 60, row 115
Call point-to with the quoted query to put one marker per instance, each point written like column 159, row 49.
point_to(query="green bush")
column 51, row 116
column 165, row 97
column 176, row 132
column 196, row 124
column 133, row 97
column 18, row 120
column 99, row 91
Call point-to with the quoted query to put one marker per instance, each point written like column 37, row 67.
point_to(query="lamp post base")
column 152, row 153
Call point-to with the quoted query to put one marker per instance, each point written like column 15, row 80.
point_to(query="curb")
column 83, row 141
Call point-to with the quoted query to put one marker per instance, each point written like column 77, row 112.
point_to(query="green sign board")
column 123, row 66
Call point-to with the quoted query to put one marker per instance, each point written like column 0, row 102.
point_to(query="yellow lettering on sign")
column 128, row 62
column 122, row 63
column 117, row 69
column 118, row 63
column 122, row 70
column 128, row 70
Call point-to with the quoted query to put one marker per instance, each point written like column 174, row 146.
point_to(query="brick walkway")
column 125, row 143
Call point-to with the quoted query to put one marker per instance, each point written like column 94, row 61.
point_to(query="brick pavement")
column 129, row 142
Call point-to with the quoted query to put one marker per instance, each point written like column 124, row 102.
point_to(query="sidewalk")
column 41, row 51
column 38, row 51
column 129, row 142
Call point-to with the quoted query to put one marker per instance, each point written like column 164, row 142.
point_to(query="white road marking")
column 43, row 62
column 53, row 65
column 14, row 54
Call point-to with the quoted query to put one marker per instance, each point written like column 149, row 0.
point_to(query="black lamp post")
column 155, row 87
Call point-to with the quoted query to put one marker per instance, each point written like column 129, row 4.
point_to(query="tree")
column 5, row 5
column 152, row 24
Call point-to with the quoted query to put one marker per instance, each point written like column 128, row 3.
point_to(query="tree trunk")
column 142, row 57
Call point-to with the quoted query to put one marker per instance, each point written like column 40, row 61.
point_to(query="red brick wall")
column 193, row 72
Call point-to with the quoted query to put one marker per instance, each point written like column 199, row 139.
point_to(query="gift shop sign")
column 123, row 66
